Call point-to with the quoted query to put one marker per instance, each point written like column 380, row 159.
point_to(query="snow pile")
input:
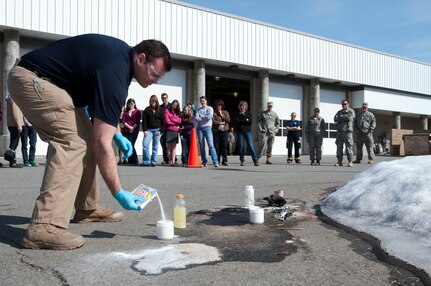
column 392, row 202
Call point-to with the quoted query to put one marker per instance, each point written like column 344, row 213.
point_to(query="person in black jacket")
column 152, row 124
column 243, row 131
column 165, row 105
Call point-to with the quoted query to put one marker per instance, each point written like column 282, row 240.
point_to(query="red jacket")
column 131, row 120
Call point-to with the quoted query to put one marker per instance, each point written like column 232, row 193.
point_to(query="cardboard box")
column 397, row 142
column 416, row 144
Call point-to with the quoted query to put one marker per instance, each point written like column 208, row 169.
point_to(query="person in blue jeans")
column 204, row 116
column 243, row 131
column 152, row 124
column 28, row 135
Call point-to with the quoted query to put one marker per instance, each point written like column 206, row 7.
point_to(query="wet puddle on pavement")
column 221, row 235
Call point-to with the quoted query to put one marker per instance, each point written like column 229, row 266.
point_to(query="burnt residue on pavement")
column 229, row 230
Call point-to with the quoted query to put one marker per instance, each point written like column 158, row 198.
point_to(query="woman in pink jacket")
column 172, row 124
column 131, row 121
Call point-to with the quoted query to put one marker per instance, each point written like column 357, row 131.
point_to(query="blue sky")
column 397, row 27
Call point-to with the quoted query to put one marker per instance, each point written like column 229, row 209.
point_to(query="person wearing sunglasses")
column 52, row 85
column 344, row 119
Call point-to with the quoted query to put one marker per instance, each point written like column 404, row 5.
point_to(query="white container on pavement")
column 249, row 196
column 165, row 229
column 257, row 215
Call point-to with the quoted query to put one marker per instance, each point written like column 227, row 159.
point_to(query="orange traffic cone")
column 193, row 161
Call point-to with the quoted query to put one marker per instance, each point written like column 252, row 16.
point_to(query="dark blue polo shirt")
column 95, row 70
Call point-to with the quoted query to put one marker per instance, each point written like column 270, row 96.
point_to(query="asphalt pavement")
column 219, row 245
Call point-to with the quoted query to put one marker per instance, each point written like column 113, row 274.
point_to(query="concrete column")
column 263, row 96
column 260, row 99
column 199, row 82
column 424, row 122
column 396, row 120
column 314, row 99
column 311, row 95
column 10, row 54
column 349, row 98
column 190, row 79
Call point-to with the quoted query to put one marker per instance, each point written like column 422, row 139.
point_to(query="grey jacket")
column 315, row 126
column 365, row 122
column 344, row 120
column 268, row 122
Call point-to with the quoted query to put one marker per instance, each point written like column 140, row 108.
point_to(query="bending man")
column 52, row 85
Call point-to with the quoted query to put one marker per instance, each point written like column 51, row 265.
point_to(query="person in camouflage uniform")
column 314, row 132
column 268, row 124
column 344, row 119
column 364, row 125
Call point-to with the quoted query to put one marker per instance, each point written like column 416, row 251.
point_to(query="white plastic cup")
column 165, row 229
column 249, row 196
column 257, row 215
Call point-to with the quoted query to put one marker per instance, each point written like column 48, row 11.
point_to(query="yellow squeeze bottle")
column 180, row 212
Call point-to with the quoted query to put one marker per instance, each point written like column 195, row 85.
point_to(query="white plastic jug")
column 249, row 196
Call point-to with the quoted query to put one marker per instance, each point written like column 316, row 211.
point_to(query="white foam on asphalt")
column 175, row 256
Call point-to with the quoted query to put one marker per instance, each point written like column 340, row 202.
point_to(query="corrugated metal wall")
column 199, row 33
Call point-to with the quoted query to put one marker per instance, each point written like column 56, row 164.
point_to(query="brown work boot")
column 268, row 161
column 97, row 215
column 242, row 163
column 350, row 164
column 48, row 236
column 370, row 161
column 339, row 164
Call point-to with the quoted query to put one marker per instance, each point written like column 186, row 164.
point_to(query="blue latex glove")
column 124, row 145
column 127, row 200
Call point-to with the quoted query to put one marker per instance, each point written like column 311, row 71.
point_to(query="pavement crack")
column 25, row 260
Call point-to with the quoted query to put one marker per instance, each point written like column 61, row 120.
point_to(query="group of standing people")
column 346, row 122
column 160, row 124
column 316, row 128
column 363, row 124
column 166, row 124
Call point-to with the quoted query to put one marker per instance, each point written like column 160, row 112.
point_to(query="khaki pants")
column 71, row 177
column 266, row 140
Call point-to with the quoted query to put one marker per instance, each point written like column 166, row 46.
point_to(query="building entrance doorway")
column 231, row 90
